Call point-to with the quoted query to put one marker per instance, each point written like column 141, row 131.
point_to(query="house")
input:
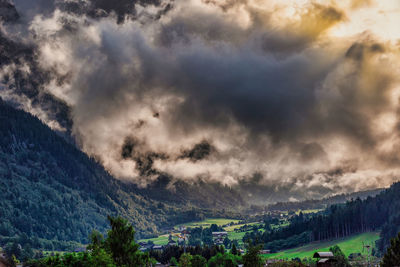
column 219, row 234
column 157, row 247
column 265, row 251
column 325, row 259
column 145, row 246
column 218, row 237
column 171, row 243
column 181, row 228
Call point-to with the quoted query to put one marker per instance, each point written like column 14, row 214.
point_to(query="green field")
column 163, row 239
column 160, row 240
column 348, row 245
column 208, row 222
column 308, row 211
column 238, row 236
column 237, row 226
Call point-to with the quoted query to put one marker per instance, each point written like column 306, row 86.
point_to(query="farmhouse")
column 172, row 243
column 265, row 251
column 218, row 237
column 157, row 247
column 219, row 234
column 325, row 259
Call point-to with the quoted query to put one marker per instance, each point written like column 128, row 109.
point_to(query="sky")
column 301, row 95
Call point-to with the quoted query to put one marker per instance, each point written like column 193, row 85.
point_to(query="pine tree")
column 234, row 249
column 198, row 261
column 339, row 256
column 252, row 257
column 392, row 255
column 121, row 244
column 185, row 260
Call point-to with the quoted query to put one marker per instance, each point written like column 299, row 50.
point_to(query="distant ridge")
column 324, row 202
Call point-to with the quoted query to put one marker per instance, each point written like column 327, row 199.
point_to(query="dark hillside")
column 381, row 212
column 53, row 191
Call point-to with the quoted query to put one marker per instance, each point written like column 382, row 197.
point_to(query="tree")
column 185, row 260
column 392, row 255
column 198, row 261
column 121, row 244
column 173, row 261
column 338, row 254
column 252, row 257
column 234, row 249
column 101, row 258
column 225, row 260
column 227, row 242
column 13, row 249
column 96, row 240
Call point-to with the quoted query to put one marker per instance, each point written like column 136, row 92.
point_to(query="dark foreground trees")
column 341, row 259
column 252, row 257
column 381, row 212
column 392, row 255
column 118, row 249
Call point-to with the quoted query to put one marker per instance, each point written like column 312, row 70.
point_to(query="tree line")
column 119, row 248
column 341, row 220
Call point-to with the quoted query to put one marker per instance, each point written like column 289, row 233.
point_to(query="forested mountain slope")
column 51, row 190
column 381, row 212
column 322, row 203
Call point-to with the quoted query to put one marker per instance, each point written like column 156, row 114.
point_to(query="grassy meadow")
column 208, row 222
column 348, row 245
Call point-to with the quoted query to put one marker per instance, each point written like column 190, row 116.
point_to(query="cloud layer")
column 302, row 95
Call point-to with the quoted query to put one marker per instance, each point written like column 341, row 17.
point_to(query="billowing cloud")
column 302, row 95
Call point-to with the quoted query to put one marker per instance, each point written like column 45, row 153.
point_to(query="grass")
column 348, row 245
column 281, row 224
column 160, row 240
column 208, row 222
column 238, row 236
column 237, row 226
column 163, row 239
column 308, row 211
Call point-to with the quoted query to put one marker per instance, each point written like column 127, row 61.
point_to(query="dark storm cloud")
column 133, row 149
column 272, row 94
column 198, row 152
column 97, row 9
column 8, row 13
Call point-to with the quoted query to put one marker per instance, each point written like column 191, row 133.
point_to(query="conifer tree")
column 392, row 255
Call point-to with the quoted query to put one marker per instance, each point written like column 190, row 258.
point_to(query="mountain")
column 379, row 213
column 322, row 203
column 53, row 191
column 54, row 194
